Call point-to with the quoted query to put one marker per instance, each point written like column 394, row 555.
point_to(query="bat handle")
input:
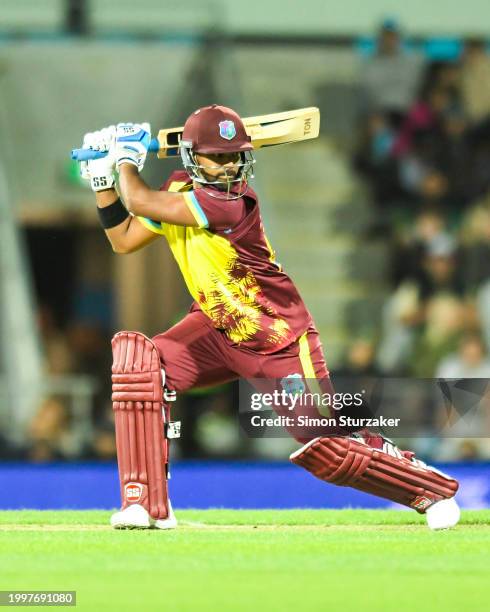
column 88, row 154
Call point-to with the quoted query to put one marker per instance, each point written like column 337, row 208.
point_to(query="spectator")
column 391, row 76
column 360, row 360
column 424, row 313
column 475, row 81
column 389, row 82
column 428, row 227
column 475, row 235
column 424, row 117
column 455, row 157
column 444, row 319
column 479, row 170
column 58, row 358
column 440, row 273
column 49, row 434
column 470, row 361
column 475, row 94
column 401, row 313
column 374, row 162
column 433, row 144
column 89, row 345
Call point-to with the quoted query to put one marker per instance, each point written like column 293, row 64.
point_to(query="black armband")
column 112, row 215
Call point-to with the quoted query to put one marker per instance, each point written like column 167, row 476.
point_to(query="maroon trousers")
column 195, row 354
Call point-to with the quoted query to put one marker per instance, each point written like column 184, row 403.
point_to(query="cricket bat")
column 264, row 131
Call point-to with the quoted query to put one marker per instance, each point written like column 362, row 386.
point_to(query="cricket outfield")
column 237, row 560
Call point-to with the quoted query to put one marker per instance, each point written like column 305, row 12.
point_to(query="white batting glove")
column 132, row 142
column 100, row 172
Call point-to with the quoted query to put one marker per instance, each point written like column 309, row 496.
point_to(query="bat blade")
column 264, row 130
column 283, row 128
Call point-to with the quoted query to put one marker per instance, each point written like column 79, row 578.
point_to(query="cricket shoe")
column 137, row 517
column 441, row 515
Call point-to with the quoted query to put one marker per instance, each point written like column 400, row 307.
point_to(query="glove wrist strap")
column 101, row 183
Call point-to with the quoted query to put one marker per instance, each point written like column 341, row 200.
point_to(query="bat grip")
column 88, row 154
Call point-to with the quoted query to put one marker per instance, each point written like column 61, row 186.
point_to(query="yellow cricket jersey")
column 230, row 270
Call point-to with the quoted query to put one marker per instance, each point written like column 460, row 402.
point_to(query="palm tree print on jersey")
column 235, row 303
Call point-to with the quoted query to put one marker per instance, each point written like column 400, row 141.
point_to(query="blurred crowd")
column 75, row 421
column 424, row 153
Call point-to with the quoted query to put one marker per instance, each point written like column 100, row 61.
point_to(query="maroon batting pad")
column 140, row 416
column 347, row 462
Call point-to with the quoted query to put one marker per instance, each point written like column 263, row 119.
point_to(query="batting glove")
column 132, row 142
column 100, row 172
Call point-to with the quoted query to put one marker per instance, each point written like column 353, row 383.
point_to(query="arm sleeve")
column 154, row 226
column 214, row 213
column 193, row 205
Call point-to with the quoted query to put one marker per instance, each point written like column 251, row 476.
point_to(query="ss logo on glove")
column 99, row 181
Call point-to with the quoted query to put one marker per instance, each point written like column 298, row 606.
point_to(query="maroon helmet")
column 215, row 129
column 212, row 130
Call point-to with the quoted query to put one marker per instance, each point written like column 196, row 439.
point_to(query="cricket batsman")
column 247, row 319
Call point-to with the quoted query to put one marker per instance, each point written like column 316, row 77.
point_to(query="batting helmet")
column 215, row 129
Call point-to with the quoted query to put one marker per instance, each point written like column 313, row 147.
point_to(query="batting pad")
column 347, row 462
column 140, row 417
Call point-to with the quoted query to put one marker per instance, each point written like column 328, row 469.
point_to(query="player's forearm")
column 106, row 197
column 142, row 201
column 135, row 193
column 116, row 235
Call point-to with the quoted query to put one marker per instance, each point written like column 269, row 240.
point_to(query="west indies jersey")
column 230, row 270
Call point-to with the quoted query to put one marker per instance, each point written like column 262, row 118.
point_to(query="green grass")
column 232, row 561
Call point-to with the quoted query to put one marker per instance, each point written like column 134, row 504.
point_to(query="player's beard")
column 226, row 179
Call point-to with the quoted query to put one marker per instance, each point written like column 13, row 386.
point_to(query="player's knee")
column 160, row 345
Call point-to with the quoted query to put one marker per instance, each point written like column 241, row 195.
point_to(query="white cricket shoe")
column 443, row 514
column 137, row 517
